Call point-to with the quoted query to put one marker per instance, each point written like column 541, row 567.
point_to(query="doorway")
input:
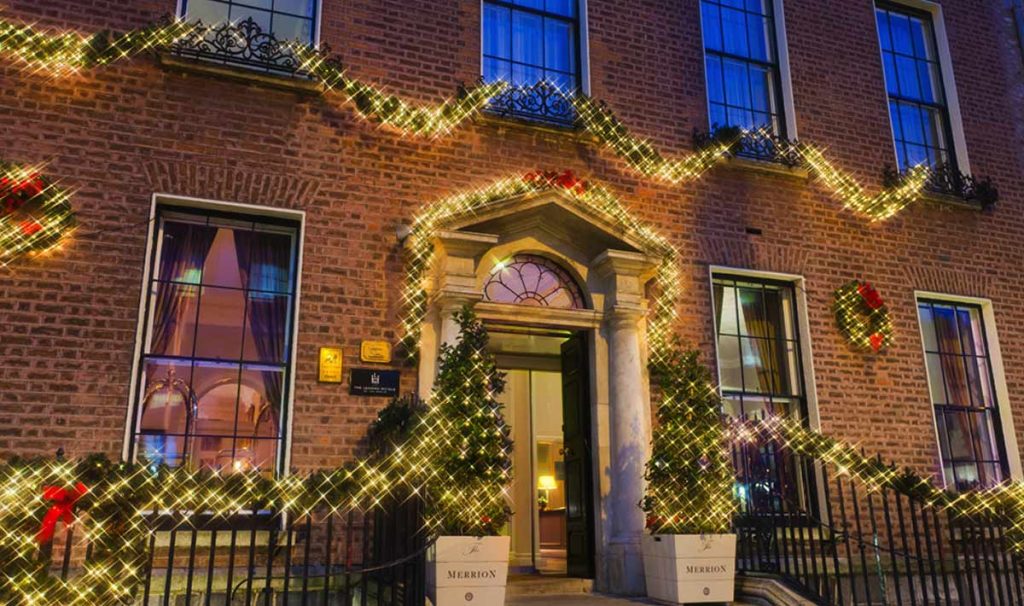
column 547, row 406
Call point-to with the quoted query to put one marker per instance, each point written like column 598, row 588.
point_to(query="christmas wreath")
column 34, row 213
column 862, row 316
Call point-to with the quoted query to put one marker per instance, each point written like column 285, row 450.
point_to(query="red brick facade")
column 117, row 135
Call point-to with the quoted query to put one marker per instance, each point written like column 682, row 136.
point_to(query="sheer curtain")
column 185, row 247
column 263, row 263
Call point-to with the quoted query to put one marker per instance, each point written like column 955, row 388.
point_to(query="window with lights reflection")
column 527, row 279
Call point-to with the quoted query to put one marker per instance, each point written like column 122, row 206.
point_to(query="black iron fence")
column 839, row 541
column 346, row 556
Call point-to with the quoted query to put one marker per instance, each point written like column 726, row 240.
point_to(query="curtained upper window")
column 742, row 64
column 531, row 41
column 913, row 80
column 962, row 391
column 217, row 347
column 285, row 19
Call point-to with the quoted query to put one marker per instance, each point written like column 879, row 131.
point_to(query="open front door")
column 579, row 494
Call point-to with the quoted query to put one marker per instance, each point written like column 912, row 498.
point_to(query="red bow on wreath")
column 14, row 194
column 871, row 297
column 62, row 509
column 877, row 340
column 567, row 180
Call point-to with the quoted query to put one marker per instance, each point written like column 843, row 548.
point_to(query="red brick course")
column 118, row 134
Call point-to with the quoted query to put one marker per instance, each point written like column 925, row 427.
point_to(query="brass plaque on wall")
column 330, row 365
column 375, row 351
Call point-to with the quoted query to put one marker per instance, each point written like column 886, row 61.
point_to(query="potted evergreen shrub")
column 469, row 469
column 689, row 555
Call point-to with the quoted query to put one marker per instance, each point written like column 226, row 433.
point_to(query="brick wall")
column 118, row 134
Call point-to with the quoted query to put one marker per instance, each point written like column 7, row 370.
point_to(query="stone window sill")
column 240, row 73
column 767, row 167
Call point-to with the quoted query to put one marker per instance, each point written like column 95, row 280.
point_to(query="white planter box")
column 468, row 571
column 690, row 568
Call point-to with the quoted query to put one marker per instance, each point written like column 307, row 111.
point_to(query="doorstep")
column 541, row 585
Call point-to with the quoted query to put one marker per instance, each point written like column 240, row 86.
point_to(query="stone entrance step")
column 538, row 585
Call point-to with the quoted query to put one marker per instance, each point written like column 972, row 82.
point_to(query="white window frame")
column 803, row 329
column 1002, row 392
column 956, row 126
column 179, row 10
column 583, row 42
column 201, row 204
column 785, row 73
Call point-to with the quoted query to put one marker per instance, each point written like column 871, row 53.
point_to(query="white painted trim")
column 158, row 199
column 179, row 11
column 956, row 125
column 584, row 44
column 803, row 326
column 785, row 73
column 995, row 357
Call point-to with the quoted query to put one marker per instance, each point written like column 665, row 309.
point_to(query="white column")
column 630, row 435
column 629, row 416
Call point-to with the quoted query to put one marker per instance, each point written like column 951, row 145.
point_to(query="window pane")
column 883, row 29
column 935, row 386
column 729, row 363
column 287, row 27
column 525, row 75
column 173, row 319
column 221, row 312
column 183, row 251
column 208, row 11
column 166, row 397
column 900, row 28
column 269, row 260
column 266, row 327
column 559, row 47
column 758, row 32
column 259, row 401
column 734, row 32
column 527, row 38
column 958, row 430
column 241, row 13
column 216, row 389
column 158, row 449
column 497, row 33
column 303, row 8
column 946, row 329
column 711, row 24
column 495, row 70
column 562, row 7
column 226, row 260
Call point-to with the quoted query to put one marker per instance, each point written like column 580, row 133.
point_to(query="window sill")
column 239, row 73
column 526, row 123
column 951, row 201
column 766, row 167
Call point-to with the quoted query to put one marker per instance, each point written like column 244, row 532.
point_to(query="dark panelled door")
column 579, row 495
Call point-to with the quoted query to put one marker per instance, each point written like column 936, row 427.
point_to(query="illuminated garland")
column 862, row 316
column 34, row 213
column 591, row 198
column 70, row 52
column 1004, row 502
column 689, row 475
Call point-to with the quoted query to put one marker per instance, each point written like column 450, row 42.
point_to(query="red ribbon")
column 62, row 509
column 877, row 340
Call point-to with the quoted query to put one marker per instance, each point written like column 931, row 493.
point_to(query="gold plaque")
column 330, row 365
column 375, row 351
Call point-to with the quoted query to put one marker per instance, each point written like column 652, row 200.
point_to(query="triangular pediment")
column 556, row 213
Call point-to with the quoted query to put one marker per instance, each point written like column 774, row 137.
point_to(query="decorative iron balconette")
column 750, row 145
column 541, row 102
column 947, row 180
column 242, row 44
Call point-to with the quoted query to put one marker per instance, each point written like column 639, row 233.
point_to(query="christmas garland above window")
column 68, row 53
column 35, row 214
column 862, row 316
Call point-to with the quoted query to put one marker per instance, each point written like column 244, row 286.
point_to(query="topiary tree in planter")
column 469, row 468
column 689, row 501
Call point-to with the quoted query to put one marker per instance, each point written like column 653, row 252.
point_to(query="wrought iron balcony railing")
column 947, row 180
column 242, row 44
column 751, row 145
column 542, row 102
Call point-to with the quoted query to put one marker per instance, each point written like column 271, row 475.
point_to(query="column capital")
column 625, row 274
column 624, row 316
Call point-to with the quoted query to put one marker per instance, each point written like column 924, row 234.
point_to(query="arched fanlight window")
column 533, row 280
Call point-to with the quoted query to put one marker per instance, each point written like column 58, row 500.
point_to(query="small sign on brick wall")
column 330, row 365
column 375, row 351
column 373, row 382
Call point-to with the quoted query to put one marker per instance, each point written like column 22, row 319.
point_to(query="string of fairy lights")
column 68, row 53
column 1004, row 502
column 113, row 512
column 35, row 213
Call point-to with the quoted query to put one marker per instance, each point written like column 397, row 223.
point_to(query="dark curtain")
column 185, row 247
column 952, row 363
column 264, row 263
